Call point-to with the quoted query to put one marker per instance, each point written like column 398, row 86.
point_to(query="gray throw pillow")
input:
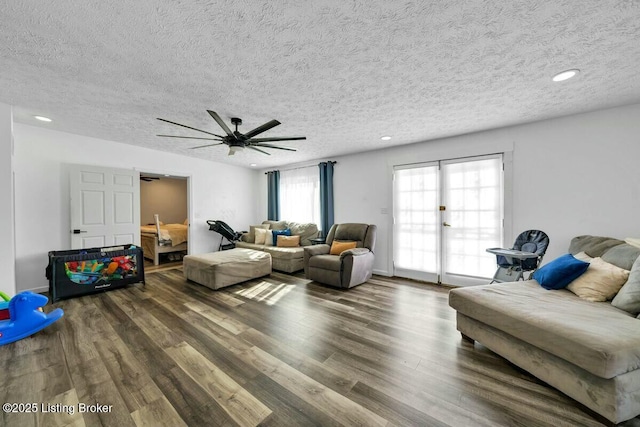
column 628, row 299
column 622, row 256
column 594, row 246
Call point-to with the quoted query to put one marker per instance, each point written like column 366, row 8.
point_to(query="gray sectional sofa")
column 288, row 260
column 588, row 350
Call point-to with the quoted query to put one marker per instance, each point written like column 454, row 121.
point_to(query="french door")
column 446, row 214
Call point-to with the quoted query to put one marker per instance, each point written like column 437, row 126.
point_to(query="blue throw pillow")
column 560, row 272
column 285, row 232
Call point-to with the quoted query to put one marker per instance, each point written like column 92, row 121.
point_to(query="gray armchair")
column 352, row 267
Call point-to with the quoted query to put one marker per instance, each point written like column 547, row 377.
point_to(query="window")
column 300, row 195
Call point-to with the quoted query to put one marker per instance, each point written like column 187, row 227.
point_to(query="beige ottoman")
column 216, row 270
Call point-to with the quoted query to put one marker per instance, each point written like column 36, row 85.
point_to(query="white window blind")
column 300, row 195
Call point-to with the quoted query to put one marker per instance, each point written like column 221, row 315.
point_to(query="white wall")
column 7, row 248
column 42, row 192
column 572, row 175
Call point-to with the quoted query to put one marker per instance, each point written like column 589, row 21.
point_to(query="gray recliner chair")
column 352, row 267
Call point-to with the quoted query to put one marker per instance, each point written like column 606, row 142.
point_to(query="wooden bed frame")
column 152, row 249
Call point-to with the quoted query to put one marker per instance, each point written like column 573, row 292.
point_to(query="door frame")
column 175, row 174
column 507, row 229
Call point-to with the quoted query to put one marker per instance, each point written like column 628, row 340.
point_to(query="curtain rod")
column 302, row 167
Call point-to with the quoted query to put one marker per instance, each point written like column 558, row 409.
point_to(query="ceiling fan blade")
column 189, row 127
column 265, row 127
column 256, row 149
column 279, row 138
column 221, row 122
column 272, row 146
column 204, row 146
column 189, row 137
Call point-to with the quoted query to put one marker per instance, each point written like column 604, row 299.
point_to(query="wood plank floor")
column 276, row 351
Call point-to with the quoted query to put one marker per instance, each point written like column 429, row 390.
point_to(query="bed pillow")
column 268, row 240
column 338, row 247
column 560, row 272
column 628, row 299
column 251, row 235
column 276, row 233
column 261, row 235
column 288, row 241
column 185, row 222
column 601, row 281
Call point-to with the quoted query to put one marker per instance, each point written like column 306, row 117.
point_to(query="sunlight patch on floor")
column 270, row 293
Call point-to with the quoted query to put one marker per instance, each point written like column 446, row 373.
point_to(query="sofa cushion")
column 558, row 322
column 622, row 256
column 560, row 272
column 601, row 281
column 628, row 299
column 247, row 245
column 594, row 246
column 305, row 231
column 276, row 225
column 326, row 262
column 284, row 253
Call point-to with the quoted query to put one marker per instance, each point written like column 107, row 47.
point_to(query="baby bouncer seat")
column 524, row 257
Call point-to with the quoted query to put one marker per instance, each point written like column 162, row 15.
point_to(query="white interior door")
column 105, row 206
column 446, row 214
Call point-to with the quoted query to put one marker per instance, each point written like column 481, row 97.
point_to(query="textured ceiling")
column 342, row 73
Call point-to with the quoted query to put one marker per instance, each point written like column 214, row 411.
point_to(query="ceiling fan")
column 238, row 141
column 148, row 178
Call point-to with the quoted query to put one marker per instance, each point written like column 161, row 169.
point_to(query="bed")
column 163, row 238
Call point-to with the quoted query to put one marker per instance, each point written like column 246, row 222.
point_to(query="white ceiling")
column 342, row 73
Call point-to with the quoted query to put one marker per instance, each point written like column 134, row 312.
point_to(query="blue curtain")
column 273, row 195
column 326, row 196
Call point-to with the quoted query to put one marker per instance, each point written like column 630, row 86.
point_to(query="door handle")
column 446, row 224
column 76, row 231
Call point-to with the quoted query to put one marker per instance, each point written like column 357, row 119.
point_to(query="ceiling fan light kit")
column 235, row 140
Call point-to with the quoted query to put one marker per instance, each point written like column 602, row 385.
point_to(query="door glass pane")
column 415, row 212
column 472, row 193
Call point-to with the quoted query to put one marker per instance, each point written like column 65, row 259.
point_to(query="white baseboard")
column 382, row 273
column 40, row 290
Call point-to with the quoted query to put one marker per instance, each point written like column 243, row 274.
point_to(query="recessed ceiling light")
column 385, row 138
column 253, row 165
column 166, row 175
column 42, row 118
column 565, row 75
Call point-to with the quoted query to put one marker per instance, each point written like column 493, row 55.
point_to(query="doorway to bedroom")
column 164, row 218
